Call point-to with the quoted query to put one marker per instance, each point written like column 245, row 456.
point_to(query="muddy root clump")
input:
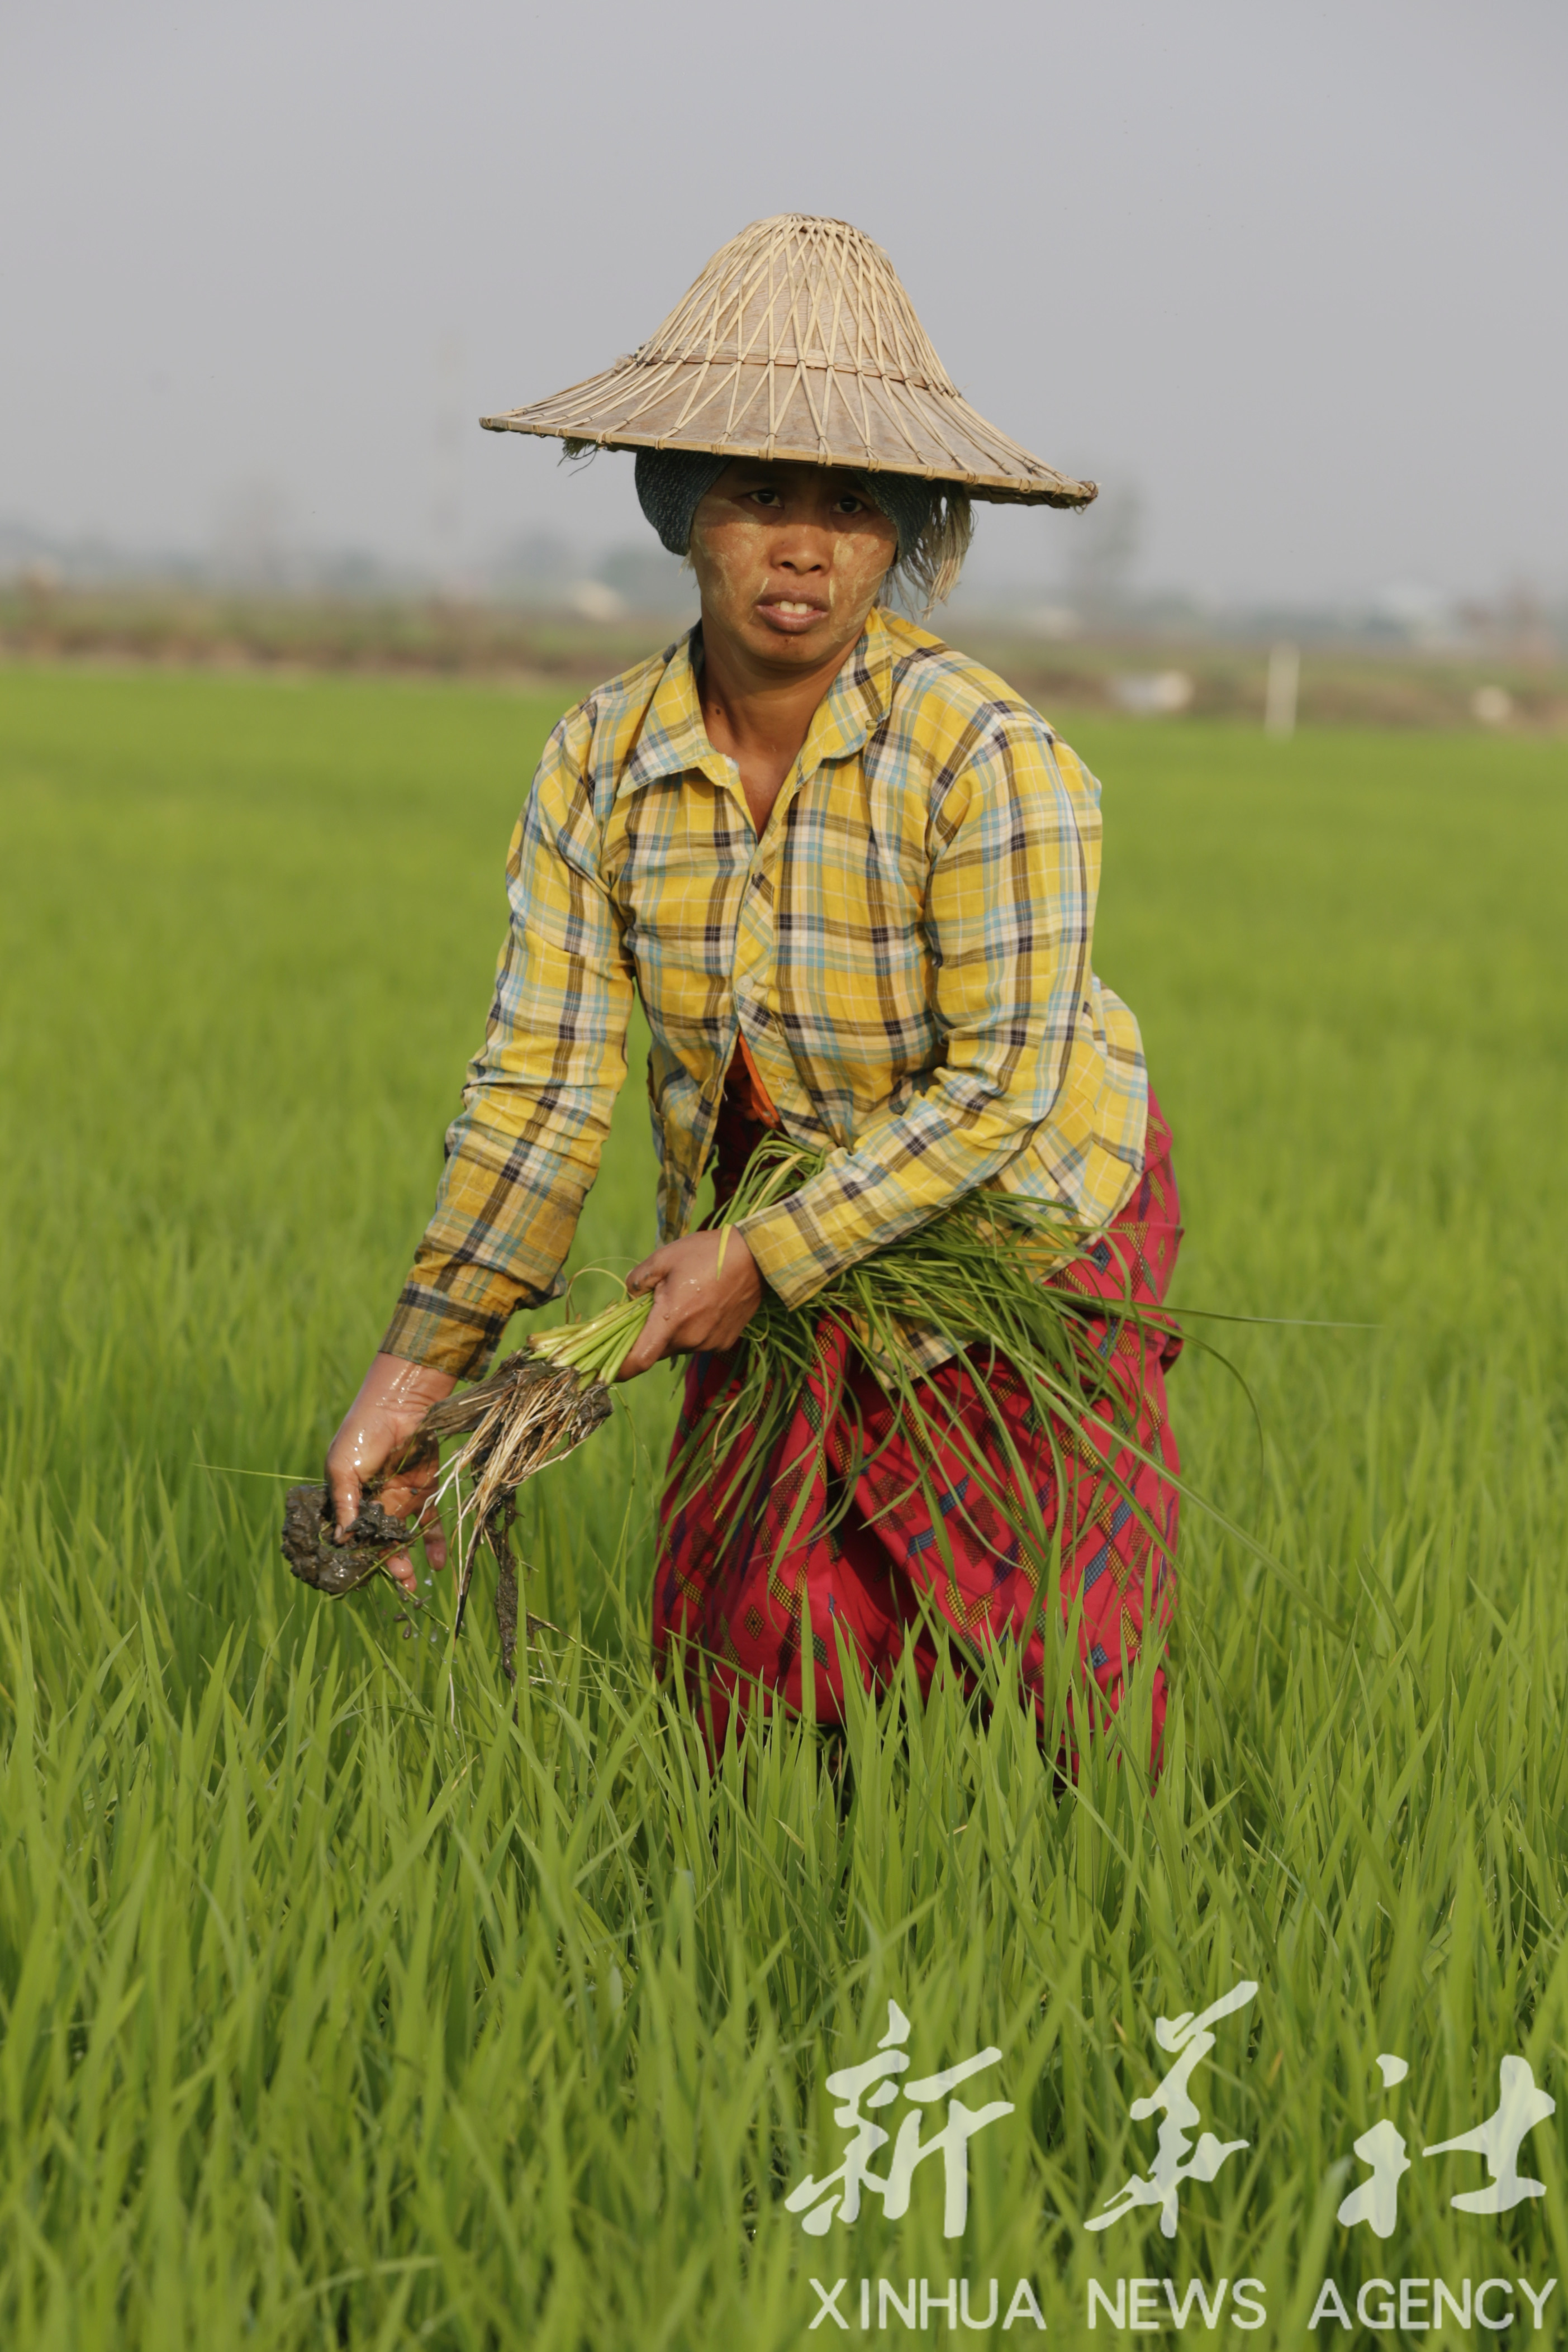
column 528, row 1413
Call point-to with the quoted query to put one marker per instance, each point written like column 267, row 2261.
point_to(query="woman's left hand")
column 706, row 1290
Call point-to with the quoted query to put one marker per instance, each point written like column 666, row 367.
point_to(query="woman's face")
column 789, row 559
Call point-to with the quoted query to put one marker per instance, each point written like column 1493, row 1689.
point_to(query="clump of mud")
column 312, row 1551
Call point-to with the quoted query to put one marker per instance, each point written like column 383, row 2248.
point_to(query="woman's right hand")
column 394, row 1397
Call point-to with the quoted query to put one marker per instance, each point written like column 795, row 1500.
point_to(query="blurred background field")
column 1499, row 669
column 338, row 2006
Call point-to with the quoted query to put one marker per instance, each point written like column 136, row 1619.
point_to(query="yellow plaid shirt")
column 905, row 949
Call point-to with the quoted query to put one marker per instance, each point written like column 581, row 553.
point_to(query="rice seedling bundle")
column 976, row 1277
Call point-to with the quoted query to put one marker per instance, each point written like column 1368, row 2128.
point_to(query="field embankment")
column 1345, row 683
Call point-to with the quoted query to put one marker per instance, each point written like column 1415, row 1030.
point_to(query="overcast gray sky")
column 1297, row 271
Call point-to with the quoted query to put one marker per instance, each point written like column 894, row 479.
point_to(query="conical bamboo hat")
column 799, row 342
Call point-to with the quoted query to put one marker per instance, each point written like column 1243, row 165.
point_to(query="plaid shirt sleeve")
column 525, row 1148
column 1009, row 920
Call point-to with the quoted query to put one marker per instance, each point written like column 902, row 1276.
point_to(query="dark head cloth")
column 672, row 484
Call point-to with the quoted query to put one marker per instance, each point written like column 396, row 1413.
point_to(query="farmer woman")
column 851, row 877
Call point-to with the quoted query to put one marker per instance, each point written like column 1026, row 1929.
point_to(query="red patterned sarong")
column 734, row 1595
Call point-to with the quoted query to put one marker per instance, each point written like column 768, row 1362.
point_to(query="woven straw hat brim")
column 798, row 342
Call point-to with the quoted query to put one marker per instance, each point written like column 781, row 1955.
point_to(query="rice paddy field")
column 341, row 2005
